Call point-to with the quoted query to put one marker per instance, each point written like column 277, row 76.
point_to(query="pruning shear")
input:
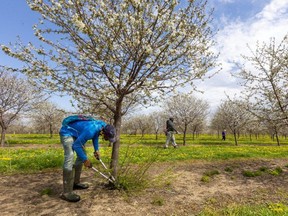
column 110, row 178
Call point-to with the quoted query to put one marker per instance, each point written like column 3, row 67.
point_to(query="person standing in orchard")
column 75, row 132
column 224, row 135
column 170, row 129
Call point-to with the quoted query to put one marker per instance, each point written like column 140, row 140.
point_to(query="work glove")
column 97, row 155
column 87, row 164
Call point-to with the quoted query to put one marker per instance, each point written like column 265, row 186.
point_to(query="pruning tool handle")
column 109, row 179
column 111, row 176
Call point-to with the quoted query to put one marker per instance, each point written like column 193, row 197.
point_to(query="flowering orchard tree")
column 232, row 115
column 16, row 96
column 189, row 112
column 115, row 52
column 47, row 115
column 265, row 84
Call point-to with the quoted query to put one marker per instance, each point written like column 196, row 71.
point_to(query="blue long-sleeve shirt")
column 82, row 131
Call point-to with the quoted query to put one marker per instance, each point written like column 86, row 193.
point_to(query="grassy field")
column 136, row 149
column 150, row 139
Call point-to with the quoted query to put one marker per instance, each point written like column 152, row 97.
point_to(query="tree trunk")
column 51, row 130
column 116, row 144
column 156, row 137
column 184, row 139
column 3, row 134
column 235, row 138
column 184, row 135
column 277, row 137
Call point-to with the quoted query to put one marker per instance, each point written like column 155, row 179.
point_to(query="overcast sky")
column 240, row 22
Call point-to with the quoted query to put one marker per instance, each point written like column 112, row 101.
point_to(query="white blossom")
column 6, row 49
column 70, row 2
column 58, row 5
column 148, row 49
column 78, row 22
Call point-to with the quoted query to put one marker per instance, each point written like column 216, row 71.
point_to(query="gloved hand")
column 88, row 164
column 97, row 155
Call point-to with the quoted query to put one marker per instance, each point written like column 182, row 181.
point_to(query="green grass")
column 248, row 173
column 271, row 209
column 14, row 139
column 150, row 139
column 34, row 159
column 208, row 175
column 262, row 170
column 134, row 150
column 203, row 139
column 29, row 160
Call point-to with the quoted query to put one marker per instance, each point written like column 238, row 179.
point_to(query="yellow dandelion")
column 5, row 158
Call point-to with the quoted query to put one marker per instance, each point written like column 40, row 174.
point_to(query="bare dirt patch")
column 184, row 194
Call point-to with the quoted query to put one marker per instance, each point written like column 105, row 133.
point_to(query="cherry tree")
column 16, row 97
column 265, row 82
column 112, row 52
column 47, row 115
column 189, row 112
column 232, row 115
column 157, row 120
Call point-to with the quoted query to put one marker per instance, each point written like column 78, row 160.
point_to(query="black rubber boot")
column 68, row 182
column 80, row 186
column 77, row 185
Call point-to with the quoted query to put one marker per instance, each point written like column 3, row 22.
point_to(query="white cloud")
column 232, row 41
column 275, row 10
column 235, row 36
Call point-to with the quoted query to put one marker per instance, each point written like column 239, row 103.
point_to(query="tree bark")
column 51, row 130
column 235, row 138
column 184, row 135
column 277, row 137
column 116, row 144
column 3, row 134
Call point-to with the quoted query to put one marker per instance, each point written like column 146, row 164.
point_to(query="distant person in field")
column 170, row 130
column 224, row 135
column 75, row 132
